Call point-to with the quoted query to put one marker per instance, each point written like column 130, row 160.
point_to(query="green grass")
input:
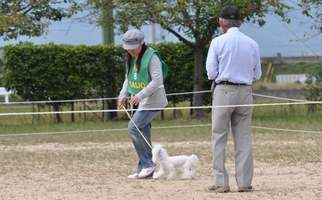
column 28, row 129
column 270, row 146
column 297, row 68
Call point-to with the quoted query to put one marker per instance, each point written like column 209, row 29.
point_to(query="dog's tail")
column 194, row 159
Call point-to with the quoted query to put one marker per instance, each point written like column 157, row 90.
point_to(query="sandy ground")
column 99, row 171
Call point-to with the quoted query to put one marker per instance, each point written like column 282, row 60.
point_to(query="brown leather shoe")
column 245, row 189
column 219, row 189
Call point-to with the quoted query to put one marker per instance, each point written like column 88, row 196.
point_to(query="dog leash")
column 128, row 114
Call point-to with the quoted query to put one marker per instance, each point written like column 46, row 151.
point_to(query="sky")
column 288, row 39
column 274, row 37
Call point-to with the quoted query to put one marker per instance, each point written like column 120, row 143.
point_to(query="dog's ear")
column 160, row 153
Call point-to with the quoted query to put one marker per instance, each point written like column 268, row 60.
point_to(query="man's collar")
column 233, row 29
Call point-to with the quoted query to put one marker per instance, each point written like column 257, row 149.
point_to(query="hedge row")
column 66, row 72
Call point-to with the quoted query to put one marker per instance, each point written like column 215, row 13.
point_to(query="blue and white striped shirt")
column 233, row 57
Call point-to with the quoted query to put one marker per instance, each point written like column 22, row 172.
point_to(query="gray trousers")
column 239, row 119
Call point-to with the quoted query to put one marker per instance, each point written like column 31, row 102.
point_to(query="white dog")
column 169, row 163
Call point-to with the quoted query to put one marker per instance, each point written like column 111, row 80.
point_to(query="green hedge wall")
column 67, row 72
column 61, row 72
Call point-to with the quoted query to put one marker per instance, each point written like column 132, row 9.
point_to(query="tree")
column 313, row 90
column 313, row 10
column 31, row 17
column 194, row 22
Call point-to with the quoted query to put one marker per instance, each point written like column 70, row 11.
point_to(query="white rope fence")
column 168, row 108
column 294, row 102
column 114, row 98
column 156, row 127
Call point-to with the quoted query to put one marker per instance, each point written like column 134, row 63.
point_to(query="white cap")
column 132, row 39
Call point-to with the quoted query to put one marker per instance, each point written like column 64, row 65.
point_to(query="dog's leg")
column 188, row 172
column 160, row 174
column 172, row 175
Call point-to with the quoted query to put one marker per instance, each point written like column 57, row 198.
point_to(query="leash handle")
column 128, row 114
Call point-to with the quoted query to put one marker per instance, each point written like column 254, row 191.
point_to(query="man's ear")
column 240, row 23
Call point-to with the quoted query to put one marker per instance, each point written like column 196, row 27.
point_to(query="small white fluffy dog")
column 169, row 163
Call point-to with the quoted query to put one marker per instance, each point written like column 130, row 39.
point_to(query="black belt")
column 230, row 83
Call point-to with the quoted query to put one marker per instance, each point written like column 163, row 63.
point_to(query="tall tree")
column 312, row 9
column 31, row 17
column 194, row 22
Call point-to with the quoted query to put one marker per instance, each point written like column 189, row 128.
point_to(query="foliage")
column 298, row 68
column 313, row 10
column 193, row 23
column 31, row 18
column 313, row 92
column 62, row 72
column 66, row 72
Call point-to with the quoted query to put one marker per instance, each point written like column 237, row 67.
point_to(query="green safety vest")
column 139, row 80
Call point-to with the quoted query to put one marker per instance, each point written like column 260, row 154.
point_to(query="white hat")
column 132, row 39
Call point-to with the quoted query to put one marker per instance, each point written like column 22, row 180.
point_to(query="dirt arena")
column 99, row 171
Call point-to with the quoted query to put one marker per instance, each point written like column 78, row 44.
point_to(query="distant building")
column 291, row 78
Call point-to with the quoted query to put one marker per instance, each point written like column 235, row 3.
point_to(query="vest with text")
column 138, row 80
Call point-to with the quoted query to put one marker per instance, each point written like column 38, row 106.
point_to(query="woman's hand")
column 134, row 100
column 121, row 102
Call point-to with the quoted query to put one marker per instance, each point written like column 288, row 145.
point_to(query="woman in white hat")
column 144, row 82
